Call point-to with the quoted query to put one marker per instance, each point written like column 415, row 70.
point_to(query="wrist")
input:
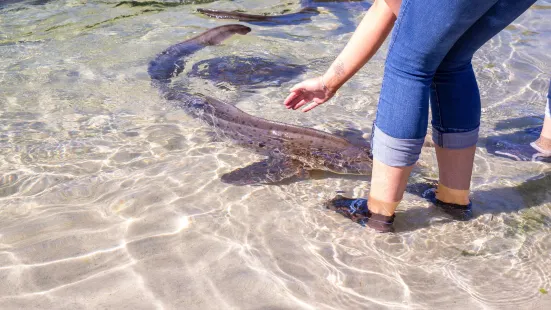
column 327, row 87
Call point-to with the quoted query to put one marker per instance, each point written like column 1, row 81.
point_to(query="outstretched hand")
column 308, row 91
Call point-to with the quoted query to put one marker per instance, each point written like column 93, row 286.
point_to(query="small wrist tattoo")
column 325, row 88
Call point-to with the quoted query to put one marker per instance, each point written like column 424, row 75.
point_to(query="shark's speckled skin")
column 308, row 9
column 294, row 18
column 290, row 149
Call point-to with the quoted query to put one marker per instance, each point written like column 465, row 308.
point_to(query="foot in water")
column 457, row 212
column 357, row 211
column 535, row 151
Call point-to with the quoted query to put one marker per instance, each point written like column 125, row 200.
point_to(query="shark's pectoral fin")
column 270, row 170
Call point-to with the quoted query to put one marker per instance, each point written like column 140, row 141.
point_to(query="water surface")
column 109, row 198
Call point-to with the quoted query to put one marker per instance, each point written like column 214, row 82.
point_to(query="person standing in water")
column 429, row 59
column 543, row 144
column 539, row 150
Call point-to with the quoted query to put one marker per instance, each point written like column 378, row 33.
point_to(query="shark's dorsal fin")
column 270, row 170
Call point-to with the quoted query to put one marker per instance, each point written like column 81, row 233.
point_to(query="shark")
column 308, row 9
column 289, row 150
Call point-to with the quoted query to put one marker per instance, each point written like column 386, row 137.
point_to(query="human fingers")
column 292, row 99
column 316, row 102
column 298, row 100
column 311, row 106
column 297, row 87
column 300, row 104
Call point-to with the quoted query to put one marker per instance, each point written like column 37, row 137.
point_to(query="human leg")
column 402, row 114
column 543, row 144
column 539, row 150
column 548, row 111
column 411, row 69
column 424, row 33
column 546, row 131
column 455, row 102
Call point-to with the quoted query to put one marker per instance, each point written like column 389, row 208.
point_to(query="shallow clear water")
column 111, row 199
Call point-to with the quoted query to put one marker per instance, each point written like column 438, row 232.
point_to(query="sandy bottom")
column 111, row 199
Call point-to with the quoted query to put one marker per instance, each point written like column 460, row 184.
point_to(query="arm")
column 366, row 40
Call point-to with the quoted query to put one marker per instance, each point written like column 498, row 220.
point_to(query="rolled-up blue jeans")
column 548, row 107
column 429, row 58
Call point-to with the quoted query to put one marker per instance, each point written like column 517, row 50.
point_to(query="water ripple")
column 110, row 199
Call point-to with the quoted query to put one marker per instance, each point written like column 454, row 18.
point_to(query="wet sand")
column 110, row 198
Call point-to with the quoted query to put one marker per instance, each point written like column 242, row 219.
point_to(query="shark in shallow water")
column 290, row 150
column 308, row 9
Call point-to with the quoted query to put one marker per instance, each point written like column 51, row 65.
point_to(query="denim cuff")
column 395, row 152
column 548, row 109
column 455, row 140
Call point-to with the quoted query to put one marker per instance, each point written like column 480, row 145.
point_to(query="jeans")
column 429, row 58
column 548, row 107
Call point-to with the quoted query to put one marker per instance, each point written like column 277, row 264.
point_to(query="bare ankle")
column 453, row 196
column 382, row 207
column 544, row 143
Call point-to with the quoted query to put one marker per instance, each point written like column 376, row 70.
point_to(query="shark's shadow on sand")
column 252, row 72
